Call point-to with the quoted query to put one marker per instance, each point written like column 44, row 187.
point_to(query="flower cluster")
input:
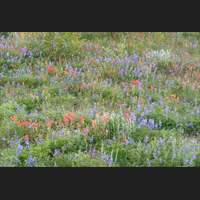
column 29, row 124
column 51, row 69
column 69, row 117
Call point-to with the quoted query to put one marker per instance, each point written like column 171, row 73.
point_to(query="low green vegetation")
column 99, row 99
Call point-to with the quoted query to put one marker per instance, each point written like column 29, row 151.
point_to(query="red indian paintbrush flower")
column 82, row 119
column 33, row 125
column 69, row 117
column 13, row 118
column 105, row 118
column 127, row 116
column 51, row 69
column 136, row 82
column 94, row 123
column 49, row 123
column 24, row 123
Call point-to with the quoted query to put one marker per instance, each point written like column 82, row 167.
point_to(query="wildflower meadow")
column 89, row 99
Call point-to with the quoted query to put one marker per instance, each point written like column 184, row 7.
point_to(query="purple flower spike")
column 135, row 58
column 23, row 50
column 19, row 150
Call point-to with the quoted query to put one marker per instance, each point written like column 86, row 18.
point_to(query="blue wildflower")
column 92, row 112
column 133, row 117
column 139, row 108
column 190, row 125
column 31, row 161
column 93, row 152
column 122, row 72
column 108, row 159
column 56, row 152
column 19, row 149
column 151, row 124
column 27, row 144
column 135, row 58
column 161, row 141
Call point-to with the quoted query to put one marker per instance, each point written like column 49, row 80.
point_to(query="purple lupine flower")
column 137, row 72
column 122, row 72
column 107, row 59
column 166, row 110
column 62, row 132
column 56, row 152
column 19, row 149
column 135, row 58
column 2, row 46
column 140, row 85
column 190, row 125
column 31, row 161
column 133, row 117
column 146, row 111
column 187, row 161
column 140, row 118
column 93, row 152
column 24, row 50
column 148, row 123
column 143, row 122
column 92, row 112
column 27, row 144
column 193, row 158
column 139, row 108
column 108, row 159
column 161, row 141
column 151, row 124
